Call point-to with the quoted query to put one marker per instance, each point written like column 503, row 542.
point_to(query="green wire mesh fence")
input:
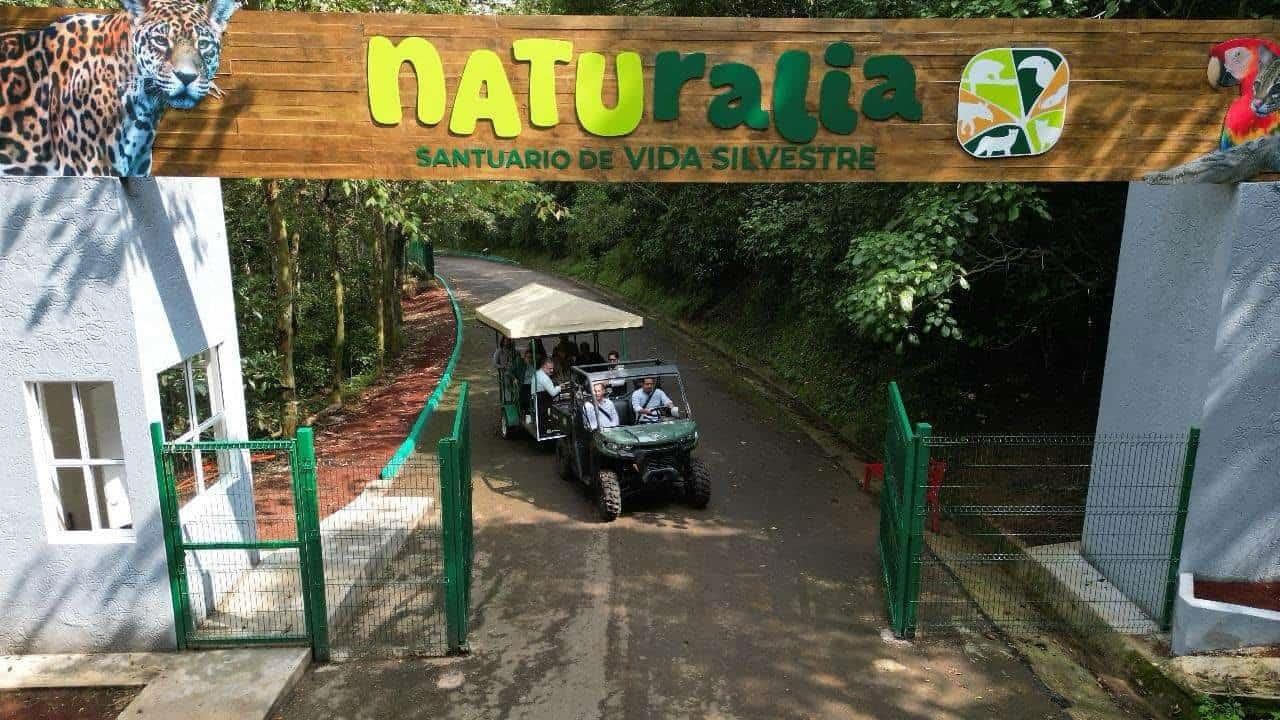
column 1078, row 532
column 241, row 542
column 1068, row 531
column 267, row 546
column 381, row 537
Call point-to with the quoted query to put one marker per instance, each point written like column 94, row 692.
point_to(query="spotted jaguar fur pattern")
column 85, row 94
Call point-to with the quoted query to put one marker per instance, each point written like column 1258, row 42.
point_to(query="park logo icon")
column 1013, row 102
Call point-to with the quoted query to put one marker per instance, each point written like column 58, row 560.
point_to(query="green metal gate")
column 455, row 491
column 906, row 458
column 243, row 549
column 368, row 562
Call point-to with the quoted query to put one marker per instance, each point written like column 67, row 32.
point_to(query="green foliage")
column 1209, row 708
column 341, row 216
column 971, row 284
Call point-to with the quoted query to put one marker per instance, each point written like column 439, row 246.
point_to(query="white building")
column 109, row 290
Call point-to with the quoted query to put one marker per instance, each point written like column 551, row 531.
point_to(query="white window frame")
column 213, row 376
column 55, row 513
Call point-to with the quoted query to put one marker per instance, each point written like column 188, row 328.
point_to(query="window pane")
column 214, row 464
column 101, row 422
column 216, row 431
column 174, row 411
column 200, row 386
column 113, row 496
column 184, row 477
column 75, row 502
column 61, row 417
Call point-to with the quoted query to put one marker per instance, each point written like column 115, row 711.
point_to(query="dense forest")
column 989, row 302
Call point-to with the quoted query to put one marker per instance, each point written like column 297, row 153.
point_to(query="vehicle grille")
column 660, row 460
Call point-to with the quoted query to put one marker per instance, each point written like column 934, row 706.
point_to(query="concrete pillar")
column 1195, row 340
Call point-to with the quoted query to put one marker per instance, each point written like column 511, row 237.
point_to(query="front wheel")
column 610, row 495
column 699, row 485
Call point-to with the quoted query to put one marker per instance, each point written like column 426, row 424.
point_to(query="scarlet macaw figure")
column 1236, row 62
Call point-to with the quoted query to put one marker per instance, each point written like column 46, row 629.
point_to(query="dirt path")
column 353, row 444
column 765, row 605
column 89, row 703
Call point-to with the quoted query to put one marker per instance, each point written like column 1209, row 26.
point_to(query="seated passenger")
column 601, row 413
column 648, row 401
column 587, row 356
column 503, row 355
column 565, row 354
column 542, row 382
column 526, row 367
column 546, row 391
column 616, row 364
column 523, row 372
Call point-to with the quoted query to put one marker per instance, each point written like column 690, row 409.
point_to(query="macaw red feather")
column 1241, row 124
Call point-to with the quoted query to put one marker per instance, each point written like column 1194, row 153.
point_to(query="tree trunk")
column 394, row 278
column 283, row 264
column 339, row 355
column 377, row 240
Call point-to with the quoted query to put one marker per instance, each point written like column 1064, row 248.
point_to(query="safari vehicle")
column 638, row 454
column 539, row 319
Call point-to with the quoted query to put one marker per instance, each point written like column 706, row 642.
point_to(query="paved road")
column 765, row 605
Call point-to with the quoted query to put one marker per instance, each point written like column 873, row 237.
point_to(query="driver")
column 601, row 413
column 649, row 400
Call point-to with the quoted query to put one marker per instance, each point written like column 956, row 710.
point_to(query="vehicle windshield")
column 647, row 400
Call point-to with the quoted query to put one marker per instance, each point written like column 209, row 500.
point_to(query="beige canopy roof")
column 537, row 310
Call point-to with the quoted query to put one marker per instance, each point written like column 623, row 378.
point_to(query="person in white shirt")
column 546, row 391
column 601, row 413
column 542, row 382
column 648, row 400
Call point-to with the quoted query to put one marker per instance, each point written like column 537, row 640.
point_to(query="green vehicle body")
column 617, row 463
column 621, row 442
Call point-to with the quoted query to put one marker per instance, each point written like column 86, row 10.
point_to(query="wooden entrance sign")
column 697, row 99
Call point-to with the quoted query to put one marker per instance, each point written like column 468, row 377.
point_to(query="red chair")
column 932, row 496
column 869, row 471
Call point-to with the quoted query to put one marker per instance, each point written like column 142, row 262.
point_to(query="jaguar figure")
column 84, row 94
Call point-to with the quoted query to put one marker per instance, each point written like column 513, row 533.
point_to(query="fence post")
column 175, row 559
column 311, row 554
column 447, row 450
column 1180, row 526
column 466, row 539
column 906, row 465
column 918, row 474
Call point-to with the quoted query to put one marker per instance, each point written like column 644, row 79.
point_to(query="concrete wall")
column 1204, row 625
column 101, row 280
column 182, row 299
column 1195, row 340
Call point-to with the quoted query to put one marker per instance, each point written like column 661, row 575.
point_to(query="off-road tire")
column 699, row 486
column 564, row 468
column 610, row 495
column 504, row 430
